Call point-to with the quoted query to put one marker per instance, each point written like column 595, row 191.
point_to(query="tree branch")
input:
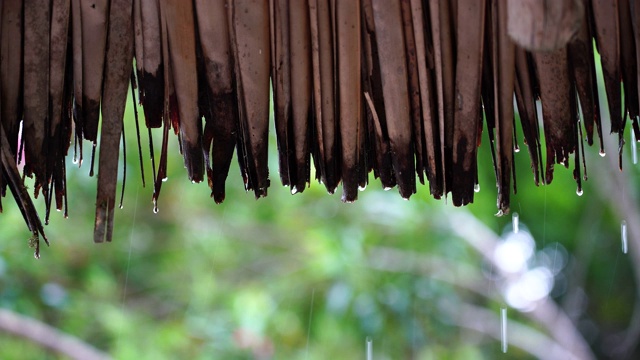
column 471, row 317
column 48, row 337
column 547, row 313
column 519, row 335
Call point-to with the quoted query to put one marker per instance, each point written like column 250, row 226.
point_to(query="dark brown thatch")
column 397, row 87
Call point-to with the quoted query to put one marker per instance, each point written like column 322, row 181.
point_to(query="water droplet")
column 362, row 188
column 369, row 348
column 36, row 255
column 294, row 190
column 623, row 236
column 602, row 153
column 121, row 206
column 155, row 209
column 516, row 149
column 165, row 179
column 387, row 188
column 579, row 192
column 476, row 188
column 515, row 219
column 503, row 329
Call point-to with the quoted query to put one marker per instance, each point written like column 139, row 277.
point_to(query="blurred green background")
column 307, row 277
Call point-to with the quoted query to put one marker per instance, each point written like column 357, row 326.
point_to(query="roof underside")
column 403, row 88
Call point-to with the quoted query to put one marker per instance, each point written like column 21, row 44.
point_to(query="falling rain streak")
column 623, row 236
column 634, row 148
column 369, row 348
column 313, row 295
column 503, row 329
column 515, row 218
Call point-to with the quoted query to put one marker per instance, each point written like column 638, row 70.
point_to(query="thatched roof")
column 402, row 88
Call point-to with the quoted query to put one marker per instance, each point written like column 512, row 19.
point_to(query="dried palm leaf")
column 430, row 143
column 2, row 184
column 76, row 39
column 350, row 118
column 58, row 57
column 582, row 63
column 301, row 83
column 249, row 29
column 395, row 89
column 138, row 42
column 380, row 153
column 607, row 30
column 635, row 22
column 182, row 44
column 556, row 93
column 36, row 90
column 544, row 25
column 324, row 92
column 20, row 194
column 525, row 99
column 628, row 62
column 488, row 93
column 441, row 28
column 414, row 87
column 222, row 120
column 469, row 35
column 504, row 77
column 94, row 38
column 11, row 61
column 281, row 80
column 114, row 95
column 168, row 105
column 152, row 82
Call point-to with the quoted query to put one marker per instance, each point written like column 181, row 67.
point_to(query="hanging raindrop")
column 623, row 236
column 515, row 219
column 503, row 329
column 476, row 188
column 369, row 348
column 602, row 153
column 579, row 192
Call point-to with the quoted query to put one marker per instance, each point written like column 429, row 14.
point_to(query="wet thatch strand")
column 397, row 87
